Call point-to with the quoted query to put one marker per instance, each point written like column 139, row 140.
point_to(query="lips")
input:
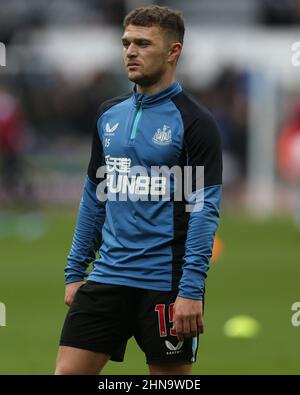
column 133, row 64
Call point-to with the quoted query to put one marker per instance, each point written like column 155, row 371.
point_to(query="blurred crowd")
column 37, row 109
column 17, row 16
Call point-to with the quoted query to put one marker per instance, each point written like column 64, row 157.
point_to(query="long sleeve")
column 91, row 215
column 203, row 147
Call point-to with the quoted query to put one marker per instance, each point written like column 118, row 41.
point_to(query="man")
column 154, row 253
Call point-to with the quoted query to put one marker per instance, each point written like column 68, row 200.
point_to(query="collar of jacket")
column 156, row 98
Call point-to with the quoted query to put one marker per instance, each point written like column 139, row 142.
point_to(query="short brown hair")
column 169, row 20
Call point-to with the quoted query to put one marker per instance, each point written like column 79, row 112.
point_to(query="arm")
column 203, row 149
column 87, row 235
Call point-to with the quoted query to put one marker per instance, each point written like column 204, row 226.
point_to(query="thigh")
column 98, row 320
column 155, row 335
column 76, row 361
column 177, row 368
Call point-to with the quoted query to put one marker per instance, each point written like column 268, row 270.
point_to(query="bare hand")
column 188, row 319
column 71, row 290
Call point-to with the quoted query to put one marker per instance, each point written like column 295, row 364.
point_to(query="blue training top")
column 145, row 235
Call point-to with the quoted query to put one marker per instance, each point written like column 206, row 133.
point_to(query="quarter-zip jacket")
column 158, row 243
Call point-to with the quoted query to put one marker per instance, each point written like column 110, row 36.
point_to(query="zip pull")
column 139, row 104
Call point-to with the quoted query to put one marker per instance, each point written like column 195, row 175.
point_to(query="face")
column 146, row 54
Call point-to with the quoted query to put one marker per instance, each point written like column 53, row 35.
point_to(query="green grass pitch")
column 258, row 275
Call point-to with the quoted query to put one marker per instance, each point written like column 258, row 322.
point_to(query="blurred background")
column 62, row 59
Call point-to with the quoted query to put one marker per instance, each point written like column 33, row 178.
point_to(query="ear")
column 175, row 51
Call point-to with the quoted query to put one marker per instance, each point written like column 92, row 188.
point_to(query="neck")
column 158, row 86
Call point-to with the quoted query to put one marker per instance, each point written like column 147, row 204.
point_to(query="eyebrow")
column 136, row 40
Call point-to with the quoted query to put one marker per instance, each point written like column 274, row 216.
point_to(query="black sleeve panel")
column 202, row 139
column 97, row 159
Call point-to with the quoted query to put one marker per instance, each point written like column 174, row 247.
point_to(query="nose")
column 131, row 51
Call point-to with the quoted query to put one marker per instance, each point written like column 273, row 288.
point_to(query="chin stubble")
column 147, row 80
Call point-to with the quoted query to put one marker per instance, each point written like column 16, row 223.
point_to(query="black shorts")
column 103, row 317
